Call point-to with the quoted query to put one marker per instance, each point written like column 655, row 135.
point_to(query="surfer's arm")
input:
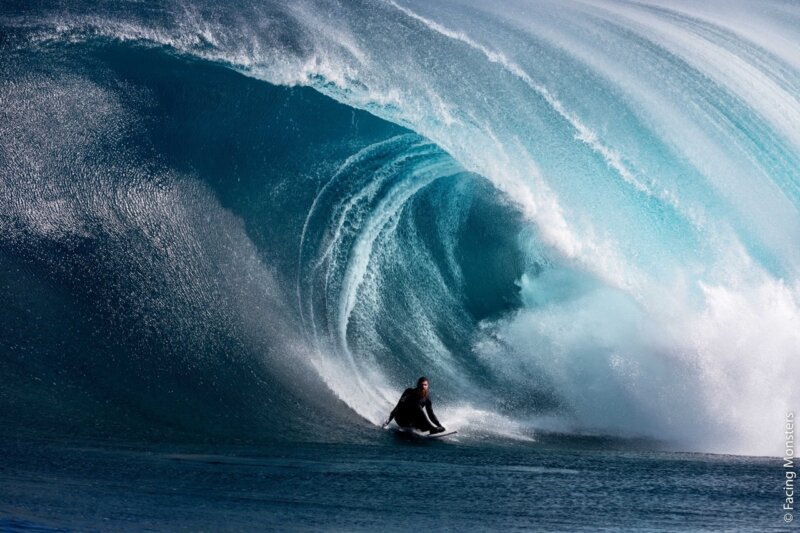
column 429, row 410
column 396, row 407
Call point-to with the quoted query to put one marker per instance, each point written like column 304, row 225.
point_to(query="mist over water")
column 578, row 218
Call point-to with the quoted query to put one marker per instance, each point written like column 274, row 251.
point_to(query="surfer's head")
column 422, row 386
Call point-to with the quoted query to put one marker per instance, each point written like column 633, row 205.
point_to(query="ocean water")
column 231, row 235
column 387, row 484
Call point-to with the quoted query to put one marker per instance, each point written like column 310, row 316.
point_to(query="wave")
column 575, row 220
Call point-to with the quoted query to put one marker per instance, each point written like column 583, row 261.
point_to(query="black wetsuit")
column 408, row 412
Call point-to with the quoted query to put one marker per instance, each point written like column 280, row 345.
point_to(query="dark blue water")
column 387, row 484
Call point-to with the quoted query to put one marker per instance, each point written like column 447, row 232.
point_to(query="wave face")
column 271, row 217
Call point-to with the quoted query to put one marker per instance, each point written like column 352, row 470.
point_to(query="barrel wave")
column 245, row 222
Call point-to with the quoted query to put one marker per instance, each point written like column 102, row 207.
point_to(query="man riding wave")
column 410, row 410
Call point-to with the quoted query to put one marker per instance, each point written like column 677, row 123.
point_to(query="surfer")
column 408, row 412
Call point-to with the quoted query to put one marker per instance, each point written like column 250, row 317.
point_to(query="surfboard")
column 423, row 435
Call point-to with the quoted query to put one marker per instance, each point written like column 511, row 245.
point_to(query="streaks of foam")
column 583, row 132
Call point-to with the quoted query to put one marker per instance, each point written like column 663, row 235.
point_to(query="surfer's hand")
column 386, row 424
column 440, row 428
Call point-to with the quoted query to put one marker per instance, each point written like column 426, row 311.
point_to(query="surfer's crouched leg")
column 416, row 421
column 422, row 423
